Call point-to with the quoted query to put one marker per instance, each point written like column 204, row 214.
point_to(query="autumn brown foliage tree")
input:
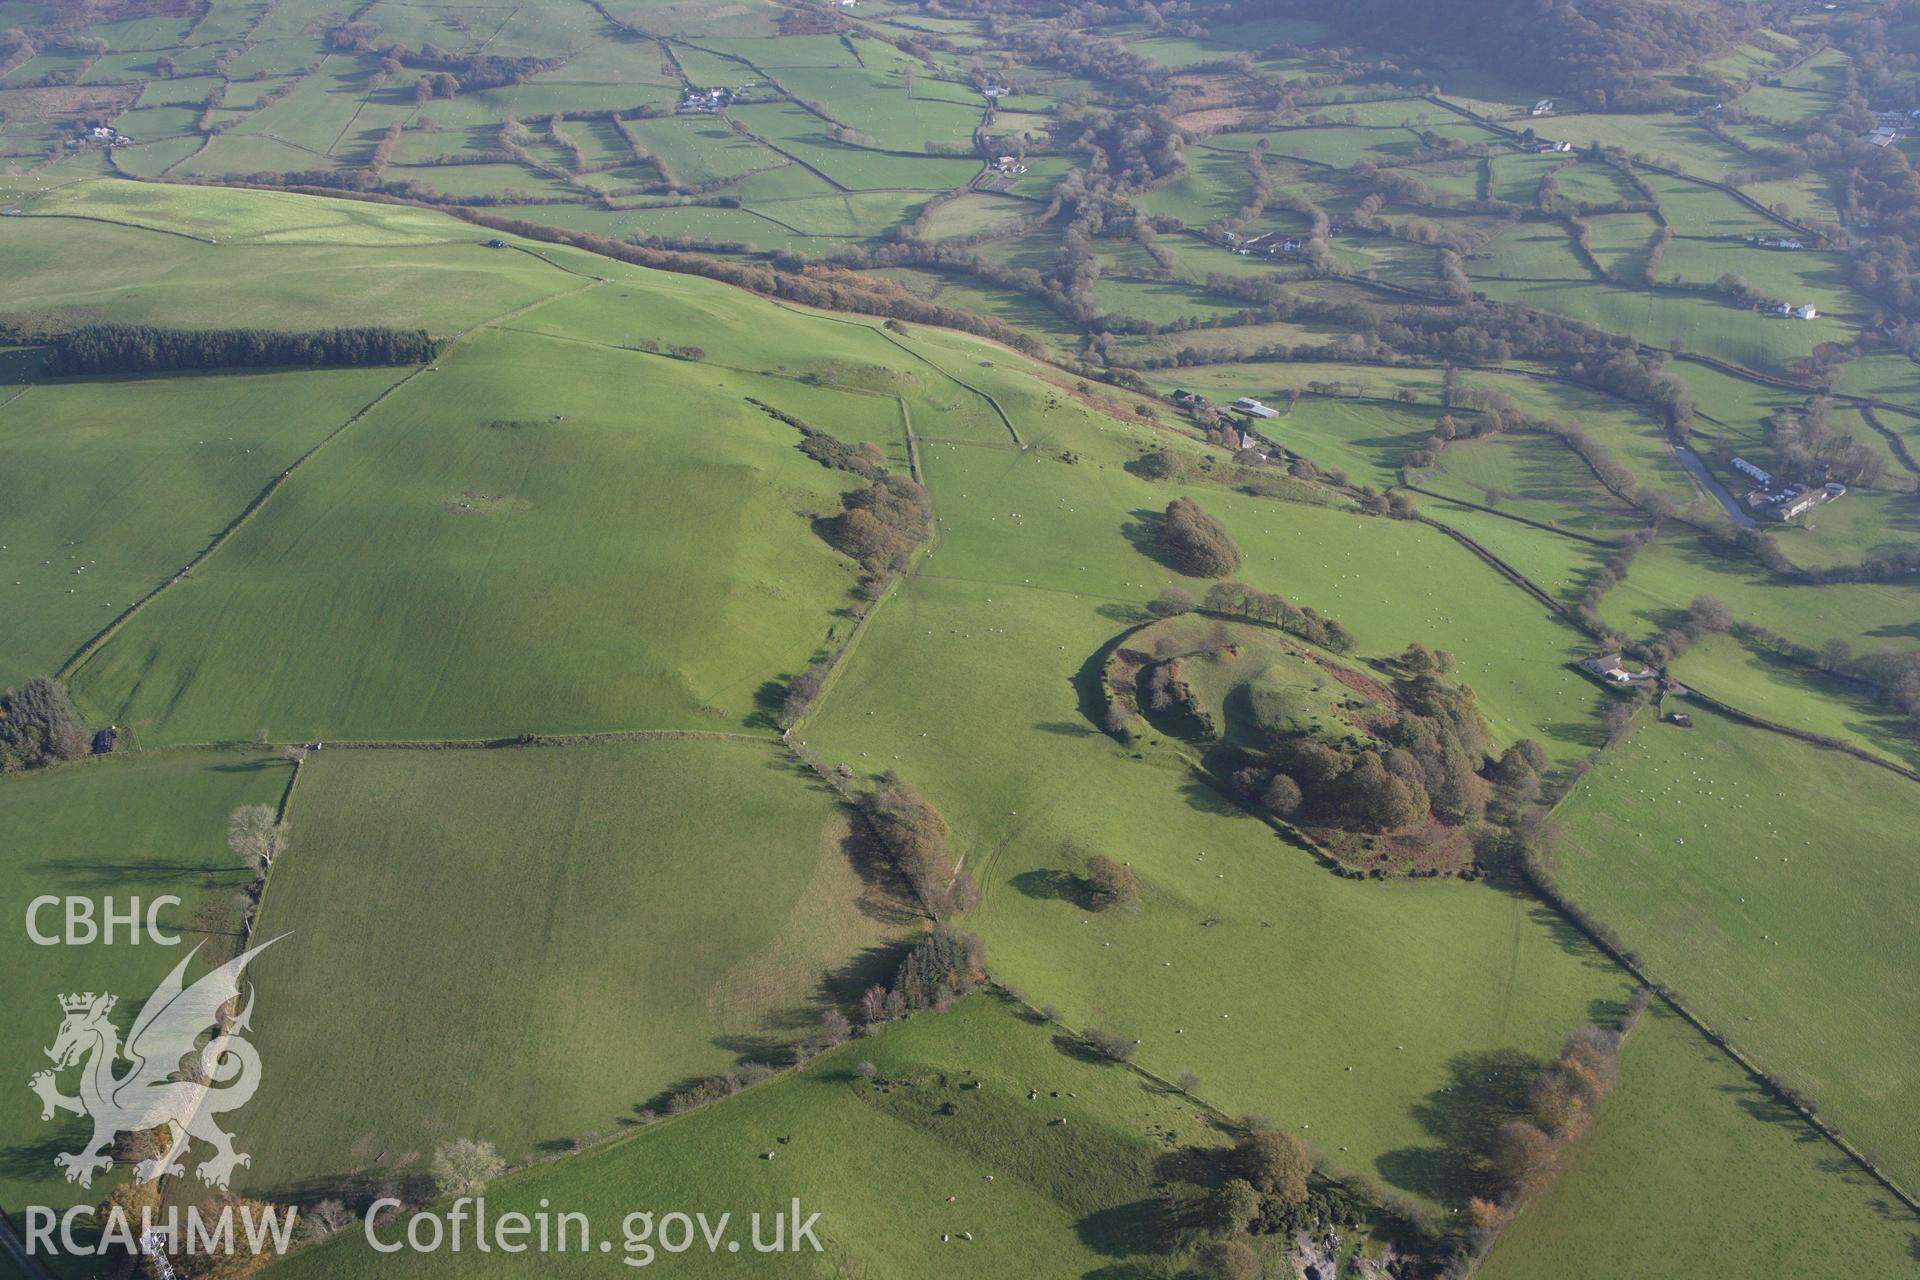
column 1276, row 1162
column 1111, row 884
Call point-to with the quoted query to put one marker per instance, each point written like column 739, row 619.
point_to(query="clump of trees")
column 39, row 726
column 1265, row 1185
column 1525, row 1153
column 145, row 348
column 881, row 525
column 1243, row 601
column 920, row 843
column 943, row 967
column 803, row 692
column 1707, row 615
column 1422, row 765
column 866, row 459
column 1813, row 450
column 1196, row 543
column 1610, row 575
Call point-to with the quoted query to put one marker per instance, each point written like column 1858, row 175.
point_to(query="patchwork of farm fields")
column 1018, row 630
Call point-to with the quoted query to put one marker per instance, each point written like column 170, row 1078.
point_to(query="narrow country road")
column 1691, row 461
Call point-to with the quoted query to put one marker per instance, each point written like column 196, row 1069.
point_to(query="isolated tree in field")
column 256, row 835
column 1171, row 603
column 1197, row 544
column 1276, row 1162
column 1111, row 884
column 1110, row 1044
column 465, row 1165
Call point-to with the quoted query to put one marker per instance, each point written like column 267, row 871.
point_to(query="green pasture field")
column 1429, row 588
column 1712, row 326
column 154, row 158
column 638, row 914
column 1451, row 179
column 879, row 106
column 1162, row 302
column 151, row 469
column 802, row 134
column 960, row 291
column 149, row 124
column 1619, row 242
column 1675, row 141
column 511, row 182
column 1864, row 522
column 408, row 581
column 974, row 212
column 1785, row 105
column 1534, row 475
column 137, row 826
column 1731, row 408
column 1366, row 439
column 701, row 225
column 1759, row 876
column 234, row 153
column 1583, row 184
column 1215, row 186
column 1824, row 71
column 1533, row 252
column 1673, row 570
column 603, row 57
column 322, row 106
column 1788, row 275
column 1693, row 1167
column 699, row 149
column 1516, row 178
column 1123, row 256
column 849, row 216
column 1808, row 198
column 1559, row 565
column 1890, row 376
column 1396, row 261
column 895, row 1183
column 1337, row 145
column 1765, row 685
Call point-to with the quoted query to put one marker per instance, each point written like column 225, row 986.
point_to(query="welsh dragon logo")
column 171, row 1082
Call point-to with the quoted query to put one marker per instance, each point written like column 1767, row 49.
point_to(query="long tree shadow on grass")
column 1146, row 533
column 1483, row 1092
column 1122, row 1230
column 103, row 873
